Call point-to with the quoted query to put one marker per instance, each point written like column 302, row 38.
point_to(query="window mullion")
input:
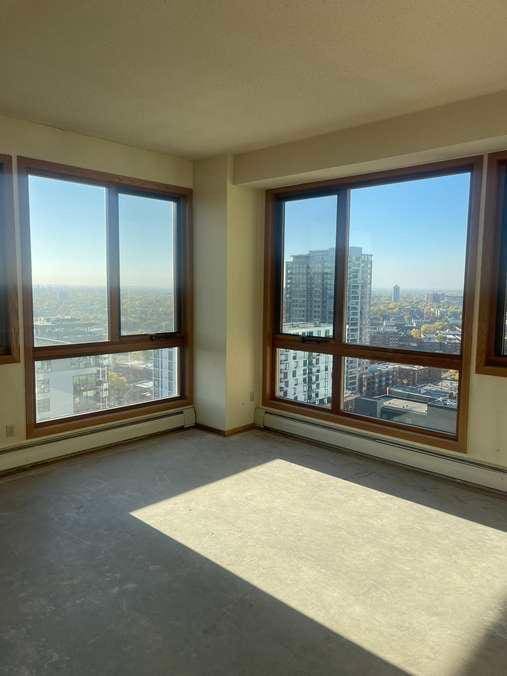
column 113, row 264
column 501, row 307
column 342, row 236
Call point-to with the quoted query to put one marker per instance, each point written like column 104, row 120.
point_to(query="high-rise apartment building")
column 67, row 387
column 396, row 293
column 309, row 287
column 309, row 308
column 358, row 310
column 306, row 376
column 165, row 373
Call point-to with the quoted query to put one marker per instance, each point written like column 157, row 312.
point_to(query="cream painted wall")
column 228, row 226
column 210, row 290
column 488, row 395
column 228, row 306
column 244, row 303
column 32, row 140
column 467, row 127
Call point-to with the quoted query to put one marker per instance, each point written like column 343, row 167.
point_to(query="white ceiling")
column 199, row 77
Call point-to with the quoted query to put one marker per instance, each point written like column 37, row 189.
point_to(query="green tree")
column 117, row 388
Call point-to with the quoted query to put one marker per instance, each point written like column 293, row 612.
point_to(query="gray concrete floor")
column 256, row 554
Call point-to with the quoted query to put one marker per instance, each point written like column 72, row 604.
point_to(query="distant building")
column 396, row 293
column 434, row 297
column 306, row 376
column 309, row 308
column 377, row 378
column 67, row 387
column 165, row 373
column 309, row 287
column 358, row 311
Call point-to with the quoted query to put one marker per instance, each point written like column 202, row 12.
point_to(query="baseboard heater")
column 459, row 469
column 40, row 451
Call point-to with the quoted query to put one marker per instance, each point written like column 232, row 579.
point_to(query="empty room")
column 253, row 338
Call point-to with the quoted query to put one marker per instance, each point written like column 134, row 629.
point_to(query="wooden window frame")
column 10, row 352
column 273, row 339
column 116, row 343
column 492, row 299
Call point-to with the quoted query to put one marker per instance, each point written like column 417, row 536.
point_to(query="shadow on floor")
column 88, row 589
column 485, row 658
column 137, row 602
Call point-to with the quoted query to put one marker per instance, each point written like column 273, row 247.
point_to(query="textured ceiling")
column 199, row 77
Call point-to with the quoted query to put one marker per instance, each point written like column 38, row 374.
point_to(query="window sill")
column 492, row 370
column 9, row 358
column 89, row 420
column 388, row 430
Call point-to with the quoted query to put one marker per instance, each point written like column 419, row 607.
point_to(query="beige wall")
column 471, row 127
column 31, row 140
column 228, row 246
column 210, row 290
column 464, row 128
column 244, row 303
column 227, row 296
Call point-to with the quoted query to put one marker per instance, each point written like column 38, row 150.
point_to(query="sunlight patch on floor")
column 371, row 567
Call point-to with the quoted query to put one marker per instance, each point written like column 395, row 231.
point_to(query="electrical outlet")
column 10, row 431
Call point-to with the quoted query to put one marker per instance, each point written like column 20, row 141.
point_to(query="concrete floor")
column 256, row 554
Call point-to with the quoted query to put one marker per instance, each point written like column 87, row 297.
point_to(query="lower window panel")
column 417, row 396
column 304, row 377
column 91, row 384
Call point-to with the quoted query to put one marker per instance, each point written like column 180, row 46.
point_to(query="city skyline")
column 412, row 394
column 385, row 223
column 72, row 216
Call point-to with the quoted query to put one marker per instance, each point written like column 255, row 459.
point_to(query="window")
column 492, row 337
column 9, row 342
column 368, row 300
column 106, row 264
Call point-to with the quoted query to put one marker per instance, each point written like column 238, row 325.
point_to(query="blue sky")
column 68, row 236
column 416, row 230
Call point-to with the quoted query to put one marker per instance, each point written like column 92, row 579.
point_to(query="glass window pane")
column 69, row 269
column 406, row 265
column 4, row 321
column 501, row 340
column 78, row 385
column 304, row 377
column 418, row 396
column 309, row 265
column 504, row 324
column 147, row 268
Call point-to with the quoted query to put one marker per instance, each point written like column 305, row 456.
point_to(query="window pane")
column 4, row 322
column 68, row 249
column 4, row 332
column 407, row 263
column 309, row 265
column 418, row 396
column 504, row 323
column 78, row 385
column 147, row 268
column 304, row 377
column 501, row 339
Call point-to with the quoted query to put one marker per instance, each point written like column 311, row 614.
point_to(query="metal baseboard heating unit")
column 459, row 469
column 43, row 450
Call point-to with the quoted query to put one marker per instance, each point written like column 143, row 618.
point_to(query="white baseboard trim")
column 459, row 469
column 43, row 450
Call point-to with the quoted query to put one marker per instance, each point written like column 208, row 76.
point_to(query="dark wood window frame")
column 9, row 352
column 273, row 338
column 182, row 338
column 492, row 299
